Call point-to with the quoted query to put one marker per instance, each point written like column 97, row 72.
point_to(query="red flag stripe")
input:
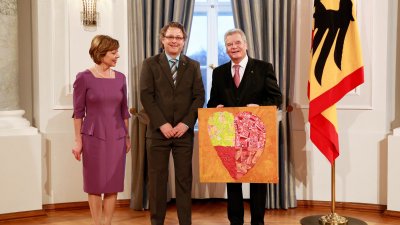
column 324, row 136
column 333, row 95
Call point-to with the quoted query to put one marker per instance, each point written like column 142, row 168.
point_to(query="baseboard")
column 343, row 205
column 55, row 207
column 392, row 213
column 125, row 203
column 22, row 215
column 79, row 205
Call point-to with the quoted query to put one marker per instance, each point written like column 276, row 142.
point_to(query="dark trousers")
column 158, row 152
column 258, row 195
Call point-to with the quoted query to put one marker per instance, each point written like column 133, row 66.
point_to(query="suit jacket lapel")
column 248, row 72
column 247, row 76
column 183, row 61
column 229, row 81
column 162, row 60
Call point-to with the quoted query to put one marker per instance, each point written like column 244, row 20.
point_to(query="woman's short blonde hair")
column 101, row 44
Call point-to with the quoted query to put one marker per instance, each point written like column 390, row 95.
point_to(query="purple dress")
column 102, row 103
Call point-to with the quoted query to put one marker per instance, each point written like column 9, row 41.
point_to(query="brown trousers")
column 158, row 153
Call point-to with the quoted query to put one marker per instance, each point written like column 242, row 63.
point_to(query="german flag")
column 336, row 68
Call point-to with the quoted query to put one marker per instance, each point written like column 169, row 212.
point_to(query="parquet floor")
column 205, row 212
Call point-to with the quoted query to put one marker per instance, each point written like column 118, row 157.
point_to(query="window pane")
column 197, row 48
column 211, row 19
column 225, row 23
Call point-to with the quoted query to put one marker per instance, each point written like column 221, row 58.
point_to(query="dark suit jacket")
column 258, row 86
column 163, row 101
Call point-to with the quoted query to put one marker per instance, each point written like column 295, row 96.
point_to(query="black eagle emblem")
column 336, row 23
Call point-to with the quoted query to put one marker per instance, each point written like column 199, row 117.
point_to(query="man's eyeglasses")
column 170, row 38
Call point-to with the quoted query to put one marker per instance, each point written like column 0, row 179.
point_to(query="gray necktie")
column 174, row 69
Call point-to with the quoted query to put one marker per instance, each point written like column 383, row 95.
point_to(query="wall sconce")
column 89, row 15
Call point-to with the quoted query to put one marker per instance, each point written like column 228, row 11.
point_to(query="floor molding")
column 392, row 213
column 343, row 205
column 22, row 215
column 79, row 205
column 55, row 207
column 125, row 203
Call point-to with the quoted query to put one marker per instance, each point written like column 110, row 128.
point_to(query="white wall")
column 363, row 115
column 393, row 200
column 20, row 173
column 60, row 49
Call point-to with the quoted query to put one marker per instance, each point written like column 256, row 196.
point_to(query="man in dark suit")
column 244, row 82
column 171, row 91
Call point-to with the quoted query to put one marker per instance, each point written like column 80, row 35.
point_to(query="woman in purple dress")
column 101, row 127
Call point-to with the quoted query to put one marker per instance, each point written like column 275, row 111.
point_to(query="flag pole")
column 333, row 218
column 333, row 187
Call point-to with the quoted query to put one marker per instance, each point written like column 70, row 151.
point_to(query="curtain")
column 268, row 25
column 145, row 19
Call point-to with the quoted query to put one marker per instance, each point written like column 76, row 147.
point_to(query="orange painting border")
column 264, row 171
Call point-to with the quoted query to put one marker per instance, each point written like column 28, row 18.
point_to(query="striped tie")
column 174, row 69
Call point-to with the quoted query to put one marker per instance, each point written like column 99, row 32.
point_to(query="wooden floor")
column 205, row 212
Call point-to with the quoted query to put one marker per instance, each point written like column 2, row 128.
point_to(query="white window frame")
column 211, row 8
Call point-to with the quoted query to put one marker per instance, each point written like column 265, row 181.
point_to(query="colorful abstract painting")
column 238, row 144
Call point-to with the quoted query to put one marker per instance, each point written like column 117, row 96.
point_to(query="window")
column 211, row 19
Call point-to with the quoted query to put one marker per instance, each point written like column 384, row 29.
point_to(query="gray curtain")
column 145, row 19
column 268, row 27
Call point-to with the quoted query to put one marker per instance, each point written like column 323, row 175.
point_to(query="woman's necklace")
column 102, row 75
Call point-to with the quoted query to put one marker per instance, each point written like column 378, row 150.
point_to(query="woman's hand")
column 128, row 143
column 77, row 150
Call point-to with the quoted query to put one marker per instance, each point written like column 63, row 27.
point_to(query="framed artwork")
column 238, row 144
